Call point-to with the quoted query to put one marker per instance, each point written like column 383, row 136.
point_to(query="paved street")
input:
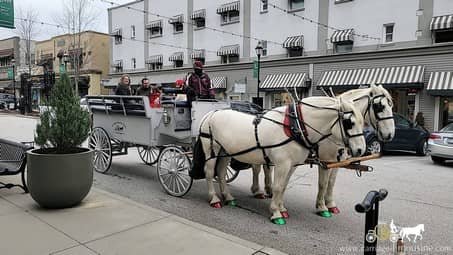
column 419, row 193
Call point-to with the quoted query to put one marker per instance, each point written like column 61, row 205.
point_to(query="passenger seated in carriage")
column 151, row 91
column 198, row 84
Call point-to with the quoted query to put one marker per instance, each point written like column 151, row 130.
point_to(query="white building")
column 404, row 45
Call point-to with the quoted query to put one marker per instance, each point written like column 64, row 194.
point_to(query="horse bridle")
column 377, row 108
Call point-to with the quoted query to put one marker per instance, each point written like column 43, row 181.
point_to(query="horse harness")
column 295, row 128
column 377, row 108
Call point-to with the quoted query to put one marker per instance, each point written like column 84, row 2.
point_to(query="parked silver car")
column 440, row 144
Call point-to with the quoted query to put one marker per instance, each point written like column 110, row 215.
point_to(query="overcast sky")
column 47, row 9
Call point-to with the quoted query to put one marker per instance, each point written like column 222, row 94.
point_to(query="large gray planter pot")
column 59, row 180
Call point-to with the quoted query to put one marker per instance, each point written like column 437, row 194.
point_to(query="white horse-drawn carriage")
column 162, row 135
column 328, row 128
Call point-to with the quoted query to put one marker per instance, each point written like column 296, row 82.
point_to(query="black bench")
column 13, row 160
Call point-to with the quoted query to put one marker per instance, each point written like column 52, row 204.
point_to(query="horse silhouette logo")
column 415, row 231
column 406, row 233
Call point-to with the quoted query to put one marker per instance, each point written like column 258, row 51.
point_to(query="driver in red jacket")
column 198, row 84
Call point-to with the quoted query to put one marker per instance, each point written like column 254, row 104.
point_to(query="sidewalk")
column 107, row 224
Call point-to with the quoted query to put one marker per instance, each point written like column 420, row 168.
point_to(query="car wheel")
column 422, row 148
column 437, row 160
column 374, row 147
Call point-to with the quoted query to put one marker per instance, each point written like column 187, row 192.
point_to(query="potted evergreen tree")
column 60, row 172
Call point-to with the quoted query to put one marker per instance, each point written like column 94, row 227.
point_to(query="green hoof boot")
column 279, row 221
column 325, row 214
column 232, row 203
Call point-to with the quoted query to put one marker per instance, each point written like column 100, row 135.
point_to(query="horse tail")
column 199, row 161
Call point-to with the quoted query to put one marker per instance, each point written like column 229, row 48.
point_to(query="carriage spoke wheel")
column 173, row 167
column 99, row 142
column 148, row 154
column 231, row 174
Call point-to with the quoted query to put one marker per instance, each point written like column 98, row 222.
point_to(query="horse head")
column 350, row 129
column 381, row 113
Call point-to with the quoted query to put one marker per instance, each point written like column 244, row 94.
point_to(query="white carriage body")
column 130, row 119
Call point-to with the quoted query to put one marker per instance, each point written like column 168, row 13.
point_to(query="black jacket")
column 123, row 90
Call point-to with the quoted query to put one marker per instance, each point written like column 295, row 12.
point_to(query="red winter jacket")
column 200, row 85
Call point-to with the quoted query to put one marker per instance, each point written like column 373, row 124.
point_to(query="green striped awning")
column 228, row 50
column 294, row 42
column 442, row 22
column 440, row 83
column 285, row 80
column 233, row 6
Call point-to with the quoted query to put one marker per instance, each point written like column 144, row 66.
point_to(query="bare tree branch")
column 27, row 30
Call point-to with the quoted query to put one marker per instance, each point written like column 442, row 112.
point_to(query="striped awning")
column 440, row 83
column 396, row 76
column 218, row 82
column 233, row 6
column 342, row 36
column 294, row 42
column 199, row 14
column 176, row 56
column 176, row 19
column 155, row 59
column 117, row 32
column 6, row 52
column 442, row 22
column 228, row 50
column 284, row 80
column 154, row 24
column 197, row 54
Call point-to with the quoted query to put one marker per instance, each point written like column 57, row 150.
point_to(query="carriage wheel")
column 231, row 174
column 99, row 141
column 148, row 154
column 173, row 167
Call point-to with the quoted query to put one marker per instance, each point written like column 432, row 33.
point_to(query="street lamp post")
column 259, row 53
column 65, row 60
column 13, row 63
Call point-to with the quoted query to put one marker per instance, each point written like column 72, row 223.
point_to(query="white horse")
column 375, row 104
column 229, row 133
column 415, row 231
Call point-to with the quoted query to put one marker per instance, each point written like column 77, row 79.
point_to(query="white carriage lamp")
column 166, row 117
column 13, row 64
column 259, row 53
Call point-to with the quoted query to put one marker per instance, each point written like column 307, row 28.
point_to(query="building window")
column 343, row 47
column 154, row 66
column 132, row 32
column 443, row 36
column 178, row 63
column 264, row 5
column 117, row 35
column 296, row 5
column 230, row 17
column 155, row 32
column 388, row 33
column 200, row 23
column 229, row 59
column 134, row 63
column 178, row 28
column 118, row 66
column 295, row 52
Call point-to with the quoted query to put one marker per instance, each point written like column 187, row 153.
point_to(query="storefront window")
column 446, row 110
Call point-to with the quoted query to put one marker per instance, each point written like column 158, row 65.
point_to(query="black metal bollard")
column 370, row 206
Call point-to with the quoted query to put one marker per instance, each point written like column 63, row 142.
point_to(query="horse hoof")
column 285, row 214
column 334, row 210
column 216, row 205
column 279, row 221
column 325, row 214
column 259, row 196
column 232, row 203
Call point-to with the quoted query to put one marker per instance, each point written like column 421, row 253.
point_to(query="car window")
column 447, row 128
column 401, row 121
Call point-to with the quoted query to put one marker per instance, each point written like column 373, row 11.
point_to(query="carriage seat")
column 176, row 103
column 132, row 109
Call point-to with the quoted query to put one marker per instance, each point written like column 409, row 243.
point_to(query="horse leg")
column 323, row 179
column 209, row 169
column 280, row 175
column 222, row 164
column 267, row 180
column 283, row 210
column 256, row 183
column 330, row 203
